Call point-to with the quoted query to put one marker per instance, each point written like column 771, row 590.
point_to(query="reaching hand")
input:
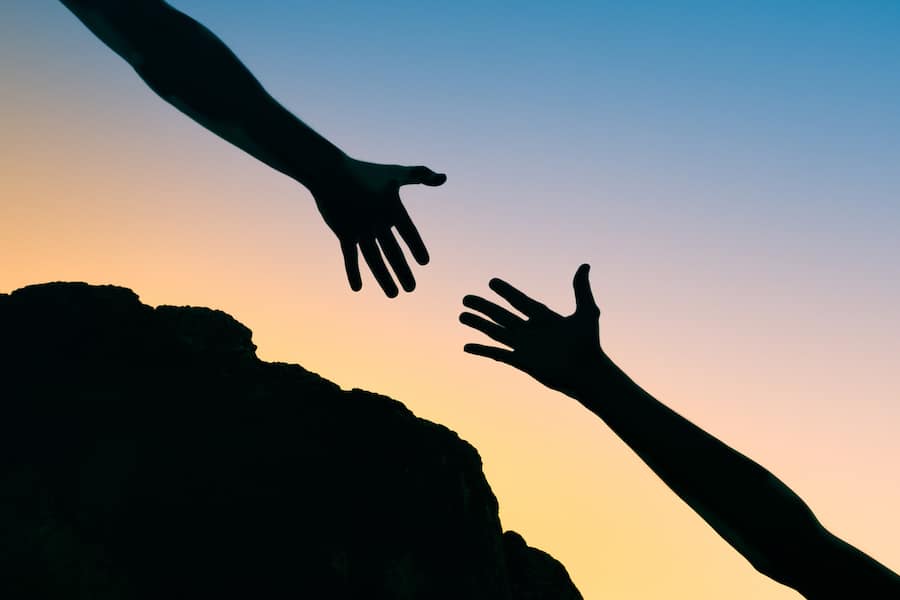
column 551, row 348
column 361, row 205
column 196, row 72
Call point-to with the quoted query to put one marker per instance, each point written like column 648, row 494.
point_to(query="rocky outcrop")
column 147, row 453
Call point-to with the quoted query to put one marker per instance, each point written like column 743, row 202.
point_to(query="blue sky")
column 730, row 170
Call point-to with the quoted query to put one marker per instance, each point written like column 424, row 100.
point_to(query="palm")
column 362, row 206
column 553, row 346
column 549, row 347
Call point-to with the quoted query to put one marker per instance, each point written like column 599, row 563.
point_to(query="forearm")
column 188, row 66
column 747, row 505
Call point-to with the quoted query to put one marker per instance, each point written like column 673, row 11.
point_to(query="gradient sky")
column 730, row 170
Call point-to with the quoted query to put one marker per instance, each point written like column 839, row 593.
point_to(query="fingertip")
column 499, row 286
column 409, row 285
column 582, row 271
column 419, row 174
column 410, row 235
column 351, row 265
column 354, row 280
column 390, row 288
column 429, row 177
column 584, row 297
column 424, row 175
column 353, row 276
column 581, row 275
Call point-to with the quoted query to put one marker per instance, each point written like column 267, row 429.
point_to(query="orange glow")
column 149, row 201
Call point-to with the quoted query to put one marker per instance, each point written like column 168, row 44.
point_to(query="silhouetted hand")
column 553, row 349
column 362, row 204
column 192, row 69
column 755, row 512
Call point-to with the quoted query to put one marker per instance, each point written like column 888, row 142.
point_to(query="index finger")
column 517, row 299
column 411, row 236
column 351, row 264
column 373, row 257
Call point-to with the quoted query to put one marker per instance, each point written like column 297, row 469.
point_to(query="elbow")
column 792, row 552
column 780, row 536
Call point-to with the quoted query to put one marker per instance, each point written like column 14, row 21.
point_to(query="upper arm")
column 126, row 26
column 835, row 569
column 782, row 538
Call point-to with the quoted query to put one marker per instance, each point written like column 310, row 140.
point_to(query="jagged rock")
column 534, row 574
column 147, row 453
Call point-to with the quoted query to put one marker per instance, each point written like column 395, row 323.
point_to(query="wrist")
column 596, row 373
column 322, row 165
column 305, row 155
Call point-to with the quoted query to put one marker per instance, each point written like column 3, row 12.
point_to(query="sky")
column 729, row 170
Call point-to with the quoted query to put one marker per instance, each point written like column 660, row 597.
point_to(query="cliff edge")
column 148, row 453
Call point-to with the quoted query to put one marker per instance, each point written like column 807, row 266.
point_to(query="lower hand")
column 552, row 348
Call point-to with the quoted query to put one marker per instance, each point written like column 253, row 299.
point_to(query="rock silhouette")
column 148, row 453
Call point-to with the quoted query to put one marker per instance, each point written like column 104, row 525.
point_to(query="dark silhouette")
column 148, row 453
column 189, row 67
column 748, row 506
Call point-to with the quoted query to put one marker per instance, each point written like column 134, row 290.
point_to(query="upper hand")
column 361, row 204
column 548, row 346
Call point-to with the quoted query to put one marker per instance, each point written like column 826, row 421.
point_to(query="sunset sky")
column 731, row 171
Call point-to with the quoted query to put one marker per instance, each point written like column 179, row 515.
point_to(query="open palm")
column 548, row 346
column 362, row 206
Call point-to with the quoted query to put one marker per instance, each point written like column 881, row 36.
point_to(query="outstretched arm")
column 748, row 506
column 189, row 67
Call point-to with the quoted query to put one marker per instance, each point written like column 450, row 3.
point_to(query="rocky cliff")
column 147, row 453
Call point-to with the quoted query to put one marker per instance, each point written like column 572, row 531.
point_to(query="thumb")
column 584, row 298
column 423, row 175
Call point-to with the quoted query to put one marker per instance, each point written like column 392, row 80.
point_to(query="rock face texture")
column 147, row 453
